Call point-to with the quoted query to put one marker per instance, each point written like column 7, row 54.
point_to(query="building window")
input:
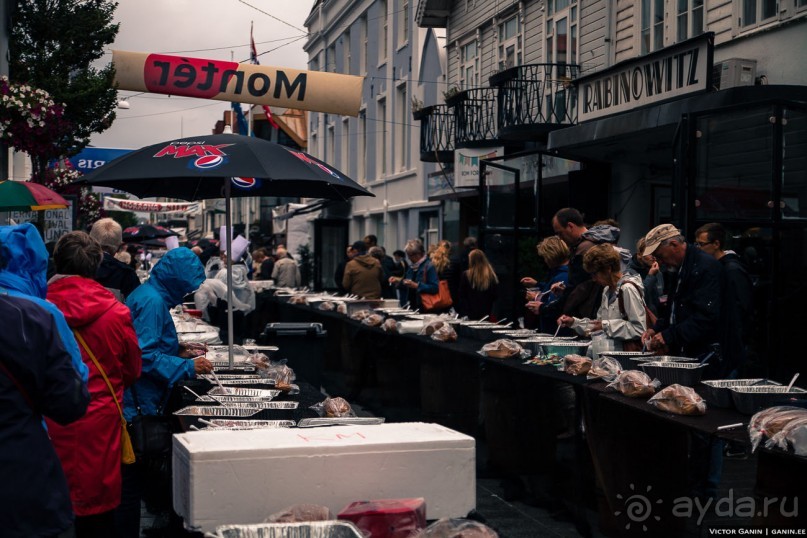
column 401, row 156
column 510, row 43
column 756, row 12
column 346, row 52
column 313, row 63
column 361, row 157
column 689, row 19
column 652, row 25
column 381, row 149
column 382, row 32
column 403, row 22
column 329, row 144
column 469, row 65
column 561, row 33
column 363, row 44
column 801, row 4
column 330, row 58
column 345, row 144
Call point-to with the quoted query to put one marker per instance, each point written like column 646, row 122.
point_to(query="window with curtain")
column 469, row 65
column 510, row 43
column 561, row 33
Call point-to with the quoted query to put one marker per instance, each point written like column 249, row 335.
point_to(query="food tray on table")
column 225, row 365
column 224, row 424
column 228, row 377
column 257, row 381
column 243, row 392
column 670, row 373
column 516, row 333
column 216, row 411
column 749, row 400
column 339, row 421
column 562, row 348
column 624, row 357
column 224, row 400
column 311, row 529
column 523, row 354
column 717, row 392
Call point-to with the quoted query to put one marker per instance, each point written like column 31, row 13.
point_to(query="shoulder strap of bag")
column 81, row 341
column 19, row 386
column 621, row 301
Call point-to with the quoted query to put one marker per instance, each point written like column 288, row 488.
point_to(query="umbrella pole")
column 229, row 227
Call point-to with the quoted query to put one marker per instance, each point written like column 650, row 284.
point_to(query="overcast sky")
column 211, row 29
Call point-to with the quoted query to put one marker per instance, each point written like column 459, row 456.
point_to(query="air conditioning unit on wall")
column 734, row 72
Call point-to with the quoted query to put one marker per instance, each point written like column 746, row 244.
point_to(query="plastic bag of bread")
column 327, row 306
column 333, row 408
column 679, row 400
column 341, row 308
column 360, row 315
column 792, row 435
column 634, row 384
column 373, row 320
column 446, row 333
column 502, row 349
column 769, row 422
column 431, row 326
column 260, row 361
column 457, row 528
column 298, row 299
column 605, row 368
column 390, row 325
column 576, row 364
column 300, row 513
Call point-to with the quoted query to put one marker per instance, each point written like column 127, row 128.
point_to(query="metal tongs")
column 339, row 421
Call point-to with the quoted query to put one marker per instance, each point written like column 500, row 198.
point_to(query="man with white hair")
column 286, row 273
column 113, row 273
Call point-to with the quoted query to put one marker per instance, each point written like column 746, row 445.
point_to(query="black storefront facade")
column 737, row 156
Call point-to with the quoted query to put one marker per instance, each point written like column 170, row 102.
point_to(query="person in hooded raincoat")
column 90, row 448
column 178, row 273
column 34, row 496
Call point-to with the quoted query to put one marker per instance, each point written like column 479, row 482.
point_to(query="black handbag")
column 150, row 434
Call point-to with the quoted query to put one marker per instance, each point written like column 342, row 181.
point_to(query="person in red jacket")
column 90, row 448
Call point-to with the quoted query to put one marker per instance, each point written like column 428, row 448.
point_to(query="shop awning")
column 646, row 135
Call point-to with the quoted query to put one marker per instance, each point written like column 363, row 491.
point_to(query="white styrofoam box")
column 241, row 477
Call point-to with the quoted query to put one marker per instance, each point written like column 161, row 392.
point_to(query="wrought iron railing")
column 536, row 95
column 437, row 125
column 475, row 113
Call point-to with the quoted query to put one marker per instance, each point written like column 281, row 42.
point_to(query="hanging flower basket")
column 30, row 120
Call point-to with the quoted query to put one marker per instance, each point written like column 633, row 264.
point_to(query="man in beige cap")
column 692, row 325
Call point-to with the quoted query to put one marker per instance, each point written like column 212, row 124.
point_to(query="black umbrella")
column 138, row 234
column 222, row 166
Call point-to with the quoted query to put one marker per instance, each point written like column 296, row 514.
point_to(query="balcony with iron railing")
column 475, row 115
column 436, row 133
column 535, row 99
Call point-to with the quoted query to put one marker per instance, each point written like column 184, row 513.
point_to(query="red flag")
column 253, row 57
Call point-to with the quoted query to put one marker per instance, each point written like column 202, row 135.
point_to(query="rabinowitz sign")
column 241, row 83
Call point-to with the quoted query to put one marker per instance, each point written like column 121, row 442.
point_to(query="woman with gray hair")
column 113, row 273
column 420, row 277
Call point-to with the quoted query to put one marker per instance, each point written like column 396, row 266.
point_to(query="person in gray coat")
column 286, row 272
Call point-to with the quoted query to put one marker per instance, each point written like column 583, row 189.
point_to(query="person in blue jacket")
column 25, row 275
column 178, row 273
column 420, row 277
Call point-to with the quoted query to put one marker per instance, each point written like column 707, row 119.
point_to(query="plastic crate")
column 303, row 344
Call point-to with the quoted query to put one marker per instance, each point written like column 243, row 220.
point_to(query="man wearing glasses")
column 694, row 317
column 735, row 300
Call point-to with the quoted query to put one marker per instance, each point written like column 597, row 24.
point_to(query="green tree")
column 52, row 46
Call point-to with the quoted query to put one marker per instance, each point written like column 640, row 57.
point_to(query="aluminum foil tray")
column 225, row 365
column 224, row 424
column 516, row 333
column 257, row 381
column 624, row 357
column 717, row 392
column 239, row 391
column 340, row 421
column 225, row 399
column 671, row 373
column 228, row 377
column 313, row 529
column 749, row 400
column 216, row 411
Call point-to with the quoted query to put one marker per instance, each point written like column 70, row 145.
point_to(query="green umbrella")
column 28, row 196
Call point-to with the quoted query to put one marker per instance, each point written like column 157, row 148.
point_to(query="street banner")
column 240, row 82
column 117, row 204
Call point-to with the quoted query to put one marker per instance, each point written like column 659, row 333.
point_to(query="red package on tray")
column 387, row 518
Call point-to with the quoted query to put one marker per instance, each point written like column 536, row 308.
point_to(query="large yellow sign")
column 243, row 83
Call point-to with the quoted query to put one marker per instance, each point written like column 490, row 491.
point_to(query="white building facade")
column 402, row 65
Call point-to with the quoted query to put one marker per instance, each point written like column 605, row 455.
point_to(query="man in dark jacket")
column 37, row 379
column 693, row 323
column 113, row 274
column 363, row 273
column 735, row 301
column 582, row 296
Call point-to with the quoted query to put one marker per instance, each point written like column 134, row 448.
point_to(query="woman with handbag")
column 90, row 449
column 479, row 287
column 420, row 278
